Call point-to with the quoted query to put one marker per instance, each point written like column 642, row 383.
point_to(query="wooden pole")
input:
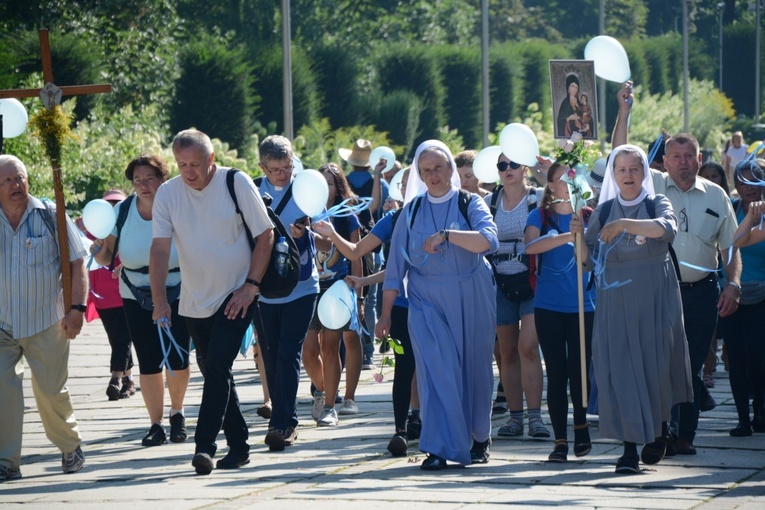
column 579, row 242
column 63, row 239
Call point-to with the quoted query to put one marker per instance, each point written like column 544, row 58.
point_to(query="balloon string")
column 247, row 341
column 748, row 163
column 162, row 325
column 600, row 264
column 345, row 208
column 706, row 269
column 356, row 325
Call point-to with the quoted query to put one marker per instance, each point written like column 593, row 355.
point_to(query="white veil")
column 415, row 185
column 610, row 189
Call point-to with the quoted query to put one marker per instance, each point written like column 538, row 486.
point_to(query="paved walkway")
column 348, row 467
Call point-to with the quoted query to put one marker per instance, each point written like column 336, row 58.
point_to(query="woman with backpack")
column 439, row 249
column 131, row 239
column 549, row 235
column 521, row 366
column 321, row 350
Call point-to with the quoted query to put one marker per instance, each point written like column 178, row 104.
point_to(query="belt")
column 709, row 279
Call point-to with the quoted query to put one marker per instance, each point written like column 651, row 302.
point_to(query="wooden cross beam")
column 53, row 100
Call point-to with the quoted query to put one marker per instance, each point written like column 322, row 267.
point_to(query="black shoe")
column 707, row 402
column 128, row 388
column 113, row 390
column 178, row 432
column 155, row 437
column 479, row 453
column 582, row 442
column 397, row 445
column 413, row 427
column 741, row 430
column 653, row 453
column 433, row 463
column 202, row 463
column 628, row 465
column 559, row 454
column 275, row 440
column 233, row 460
column 758, row 423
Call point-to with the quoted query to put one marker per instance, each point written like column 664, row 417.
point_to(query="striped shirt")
column 31, row 298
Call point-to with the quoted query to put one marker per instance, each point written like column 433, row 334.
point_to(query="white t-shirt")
column 735, row 155
column 212, row 245
column 135, row 247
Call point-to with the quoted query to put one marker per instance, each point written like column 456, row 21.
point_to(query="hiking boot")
column 413, row 427
column 290, row 436
column 128, row 388
column 113, row 390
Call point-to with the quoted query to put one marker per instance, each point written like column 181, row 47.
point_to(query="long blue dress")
column 452, row 317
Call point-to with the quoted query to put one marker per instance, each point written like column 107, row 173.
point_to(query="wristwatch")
column 80, row 308
column 444, row 235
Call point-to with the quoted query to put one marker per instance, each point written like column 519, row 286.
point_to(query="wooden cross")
column 51, row 96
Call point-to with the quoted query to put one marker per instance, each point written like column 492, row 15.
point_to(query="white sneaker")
column 349, row 407
column 318, row 404
column 328, row 418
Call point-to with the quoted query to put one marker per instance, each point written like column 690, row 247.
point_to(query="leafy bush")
column 461, row 71
column 397, row 113
column 214, row 91
column 337, row 81
column 507, row 83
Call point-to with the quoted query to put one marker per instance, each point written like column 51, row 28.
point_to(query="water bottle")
column 282, row 257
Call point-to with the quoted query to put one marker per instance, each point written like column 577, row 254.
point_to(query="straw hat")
column 359, row 155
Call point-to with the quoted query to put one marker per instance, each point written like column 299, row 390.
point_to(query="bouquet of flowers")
column 577, row 154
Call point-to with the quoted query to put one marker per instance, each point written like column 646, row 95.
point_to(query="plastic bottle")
column 282, row 257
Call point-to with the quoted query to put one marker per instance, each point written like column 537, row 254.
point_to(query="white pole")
column 289, row 131
column 485, row 69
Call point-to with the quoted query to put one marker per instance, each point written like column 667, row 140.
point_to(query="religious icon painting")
column 574, row 100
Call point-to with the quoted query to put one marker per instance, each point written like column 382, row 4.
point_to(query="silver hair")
column 275, row 147
column 9, row 160
column 193, row 138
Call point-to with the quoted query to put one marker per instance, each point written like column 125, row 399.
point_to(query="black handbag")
column 516, row 287
column 143, row 294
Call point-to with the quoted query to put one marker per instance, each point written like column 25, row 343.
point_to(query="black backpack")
column 272, row 286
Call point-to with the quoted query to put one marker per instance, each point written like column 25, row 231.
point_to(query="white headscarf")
column 415, row 185
column 611, row 190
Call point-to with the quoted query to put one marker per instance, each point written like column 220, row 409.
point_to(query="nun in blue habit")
column 437, row 259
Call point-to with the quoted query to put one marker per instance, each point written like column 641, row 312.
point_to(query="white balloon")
column 310, row 191
column 485, row 164
column 394, row 189
column 297, row 165
column 15, row 117
column 385, row 153
column 611, row 61
column 334, row 307
column 99, row 218
column 519, row 143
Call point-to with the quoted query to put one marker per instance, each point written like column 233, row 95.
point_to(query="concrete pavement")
column 349, row 467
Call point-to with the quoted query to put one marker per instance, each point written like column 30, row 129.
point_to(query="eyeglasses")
column 285, row 170
column 683, row 220
column 503, row 165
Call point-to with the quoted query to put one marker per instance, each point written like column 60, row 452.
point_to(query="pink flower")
column 571, row 173
column 379, row 377
column 562, row 143
column 576, row 136
column 569, row 146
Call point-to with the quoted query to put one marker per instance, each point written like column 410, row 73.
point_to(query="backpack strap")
column 48, row 215
column 605, row 211
column 496, row 196
column 121, row 219
column 463, row 203
column 230, row 185
column 285, row 200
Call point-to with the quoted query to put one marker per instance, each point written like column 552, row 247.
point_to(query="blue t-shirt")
column 752, row 257
column 332, row 265
column 556, row 277
column 357, row 180
column 309, row 277
column 383, row 230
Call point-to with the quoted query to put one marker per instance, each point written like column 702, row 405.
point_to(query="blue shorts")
column 510, row 312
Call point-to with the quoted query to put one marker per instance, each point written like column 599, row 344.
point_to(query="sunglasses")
column 503, row 165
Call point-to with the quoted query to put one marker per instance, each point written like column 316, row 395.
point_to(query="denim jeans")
column 217, row 340
column 281, row 331
column 700, row 320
